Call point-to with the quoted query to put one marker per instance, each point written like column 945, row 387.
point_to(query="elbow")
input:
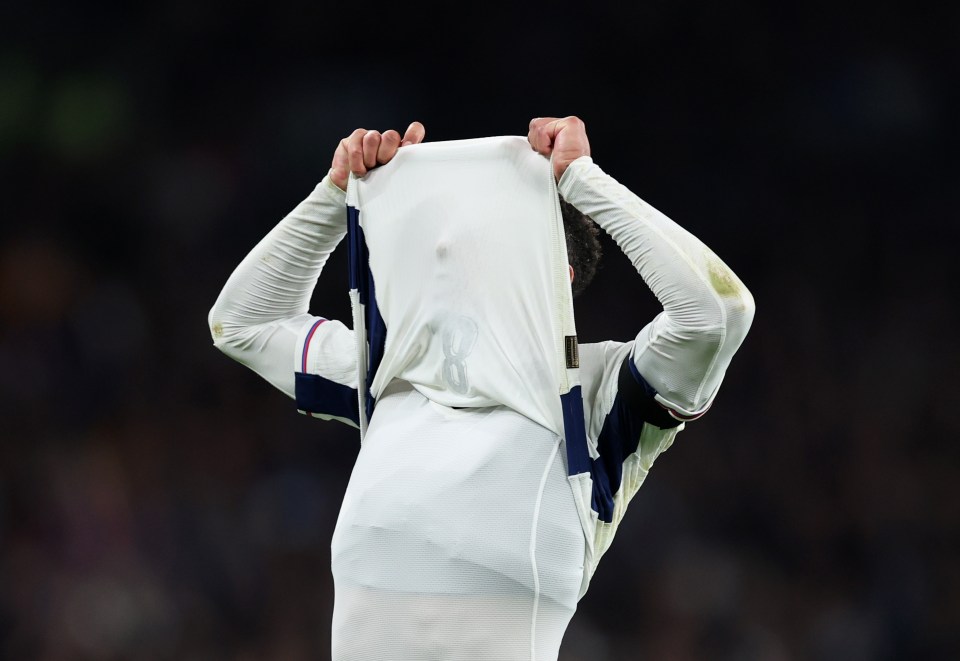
column 214, row 325
column 735, row 303
column 233, row 339
column 711, row 317
column 739, row 313
column 718, row 324
column 218, row 334
column 729, row 321
column 227, row 344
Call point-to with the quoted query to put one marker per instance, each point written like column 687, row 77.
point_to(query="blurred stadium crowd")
column 159, row 502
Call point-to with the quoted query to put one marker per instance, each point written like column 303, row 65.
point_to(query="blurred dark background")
column 158, row 501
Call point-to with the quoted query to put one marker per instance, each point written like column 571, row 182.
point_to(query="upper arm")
column 310, row 359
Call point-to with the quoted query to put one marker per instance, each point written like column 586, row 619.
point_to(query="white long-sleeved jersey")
column 459, row 537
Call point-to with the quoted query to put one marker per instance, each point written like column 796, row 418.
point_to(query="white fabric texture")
column 458, row 538
column 468, row 255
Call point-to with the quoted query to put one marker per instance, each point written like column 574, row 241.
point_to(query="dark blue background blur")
column 158, row 501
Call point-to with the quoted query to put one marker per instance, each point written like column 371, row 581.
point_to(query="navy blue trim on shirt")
column 376, row 336
column 575, row 432
column 640, row 395
column 356, row 251
column 361, row 279
column 633, row 407
column 316, row 394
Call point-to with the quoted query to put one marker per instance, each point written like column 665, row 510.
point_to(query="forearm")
column 707, row 309
column 266, row 298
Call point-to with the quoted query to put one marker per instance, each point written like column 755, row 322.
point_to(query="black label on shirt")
column 572, row 351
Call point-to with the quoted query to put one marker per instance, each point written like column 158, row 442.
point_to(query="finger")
column 540, row 139
column 371, row 145
column 389, row 143
column 550, row 130
column 414, row 134
column 355, row 152
column 540, row 122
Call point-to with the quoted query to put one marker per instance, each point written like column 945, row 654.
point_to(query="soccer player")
column 459, row 537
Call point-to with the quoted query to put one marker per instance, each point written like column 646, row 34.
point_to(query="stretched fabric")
column 460, row 282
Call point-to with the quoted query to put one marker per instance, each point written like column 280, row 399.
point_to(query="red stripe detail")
column 306, row 344
column 681, row 417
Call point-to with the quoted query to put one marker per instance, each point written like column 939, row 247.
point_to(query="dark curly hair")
column 583, row 245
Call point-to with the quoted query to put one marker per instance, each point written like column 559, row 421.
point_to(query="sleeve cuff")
column 328, row 188
column 678, row 413
column 573, row 180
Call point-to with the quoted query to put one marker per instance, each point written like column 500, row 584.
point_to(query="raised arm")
column 685, row 351
column 261, row 317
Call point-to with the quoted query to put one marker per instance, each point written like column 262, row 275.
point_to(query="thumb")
column 414, row 134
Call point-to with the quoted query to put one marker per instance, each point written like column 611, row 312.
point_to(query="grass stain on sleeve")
column 722, row 279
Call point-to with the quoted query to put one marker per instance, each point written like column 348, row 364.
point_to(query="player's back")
column 458, row 537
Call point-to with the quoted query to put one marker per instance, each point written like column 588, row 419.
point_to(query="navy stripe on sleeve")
column 361, row 280
column 315, row 394
column 639, row 395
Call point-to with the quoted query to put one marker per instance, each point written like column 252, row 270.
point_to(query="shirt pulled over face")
column 467, row 252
